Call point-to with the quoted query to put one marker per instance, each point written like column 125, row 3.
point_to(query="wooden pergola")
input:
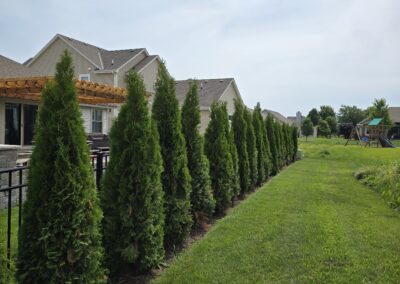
column 87, row 92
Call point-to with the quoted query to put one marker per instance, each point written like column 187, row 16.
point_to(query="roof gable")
column 209, row 90
column 12, row 69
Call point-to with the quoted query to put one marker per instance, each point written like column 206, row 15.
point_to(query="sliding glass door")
column 30, row 112
column 16, row 132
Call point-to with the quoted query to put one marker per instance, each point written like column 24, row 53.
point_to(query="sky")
column 289, row 55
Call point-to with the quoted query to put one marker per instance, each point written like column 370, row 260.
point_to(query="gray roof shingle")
column 12, row 69
column 144, row 62
column 210, row 90
column 276, row 115
column 114, row 59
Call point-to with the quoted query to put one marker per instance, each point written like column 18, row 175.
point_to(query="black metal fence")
column 13, row 185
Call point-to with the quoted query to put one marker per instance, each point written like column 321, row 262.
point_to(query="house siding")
column 150, row 75
column 46, row 62
column 229, row 97
column 122, row 72
column 204, row 120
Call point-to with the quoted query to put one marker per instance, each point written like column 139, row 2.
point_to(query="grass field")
column 313, row 223
column 4, row 272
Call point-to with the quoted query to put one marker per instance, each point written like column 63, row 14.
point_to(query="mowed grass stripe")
column 312, row 223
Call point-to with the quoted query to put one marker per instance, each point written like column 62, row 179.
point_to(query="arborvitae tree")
column 235, row 162
column 132, row 195
column 202, row 200
column 295, row 142
column 175, row 177
column 60, row 240
column 239, row 126
column 270, row 128
column 251, row 148
column 288, row 141
column 258, row 126
column 278, row 139
column 219, row 155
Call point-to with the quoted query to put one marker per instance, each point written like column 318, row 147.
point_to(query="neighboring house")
column 98, row 65
column 210, row 90
column 276, row 115
column 20, row 88
column 296, row 120
column 394, row 114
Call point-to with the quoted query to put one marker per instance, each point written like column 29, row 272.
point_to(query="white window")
column 84, row 77
column 97, row 121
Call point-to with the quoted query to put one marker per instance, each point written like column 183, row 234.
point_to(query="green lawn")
column 4, row 272
column 313, row 223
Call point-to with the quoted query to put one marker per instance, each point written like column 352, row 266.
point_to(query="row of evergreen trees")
column 163, row 179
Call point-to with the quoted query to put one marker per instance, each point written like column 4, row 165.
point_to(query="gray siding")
column 122, row 72
column 229, row 96
column 150, row 75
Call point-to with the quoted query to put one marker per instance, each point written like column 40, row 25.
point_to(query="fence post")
column 99, row 168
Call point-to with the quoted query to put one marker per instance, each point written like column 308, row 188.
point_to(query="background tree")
column 132, row 195
column 333, row 126
column 307, row 128
column 350, row 114
column 380, row 110
column 60, row 239
column 314, row 116
column 326, row 111
column 251, row 148
column 269, row 126
column 323, row 128
column 202, row 200
column 175, row 177
column 218, row 152
column 258, row 126
column 239, row 126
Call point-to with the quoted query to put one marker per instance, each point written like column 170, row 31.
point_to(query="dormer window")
column 84, row 77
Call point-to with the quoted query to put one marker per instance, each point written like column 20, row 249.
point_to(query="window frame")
column 95, row 120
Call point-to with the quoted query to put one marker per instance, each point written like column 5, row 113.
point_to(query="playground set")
column 371, row 132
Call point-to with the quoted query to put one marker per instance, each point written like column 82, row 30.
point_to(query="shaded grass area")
column 7, row 275
column 313, row 223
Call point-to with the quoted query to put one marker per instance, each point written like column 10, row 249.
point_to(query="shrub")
column 175, row 177
column 132, row 195
column 60, row 240
column 239, row 126
column 219, row 155
column 202, row 200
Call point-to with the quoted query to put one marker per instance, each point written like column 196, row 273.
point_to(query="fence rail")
column 13, row 185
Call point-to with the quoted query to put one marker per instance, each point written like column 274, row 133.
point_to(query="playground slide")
column 386, row 142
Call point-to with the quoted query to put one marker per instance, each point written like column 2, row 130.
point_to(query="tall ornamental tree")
column 279, row 142
column 202, row 200
column 239, row 126
column 295, row 142
column 314, row 116
column 269, row 126
column 258, row 126
column 175, row 177
column 132, row 195
column 235, row 162
column 307, row 127
column 219, row 155
column 251, row 148
column 60, row 240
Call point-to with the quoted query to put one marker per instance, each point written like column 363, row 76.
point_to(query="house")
column 394, row 115
column 296, row 120
column 92, row 63
column 210, row 90
column 20, row 88
column 277, row 116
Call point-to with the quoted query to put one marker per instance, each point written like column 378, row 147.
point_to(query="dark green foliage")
column 235, row 163
column 287, row 143
column 326, row 111
column 269, row 126
column 350, row 114
column 60, row 240
column 260, row 135
column 239, row 126
column 307, row 127
column 132, row 195
column 251, row 148
column 202, row 200
column 175, row 178
column 333, row 126
column 314, row 116
column 295, row 142
column 323, row 128
column 219, row 155
column 279, row 142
